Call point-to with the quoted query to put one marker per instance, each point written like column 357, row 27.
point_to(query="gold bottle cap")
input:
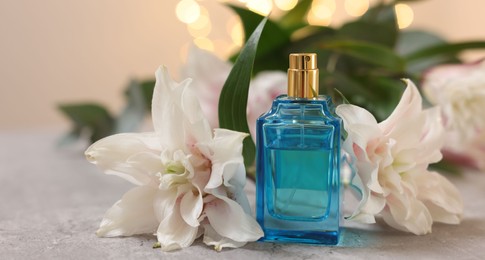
column 303, row 75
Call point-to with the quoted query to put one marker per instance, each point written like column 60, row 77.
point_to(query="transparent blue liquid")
column 293, row 197
column 298, row 189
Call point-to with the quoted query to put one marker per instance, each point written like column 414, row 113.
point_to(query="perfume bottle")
column 298, row 161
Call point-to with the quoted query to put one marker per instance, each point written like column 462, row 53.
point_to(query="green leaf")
column 444, row 49
column 295, row 18
column 446, row 166
column 135, row 110
column 402, row 1
column 414, row 40
column 411, row 41
column 92, row 117
column 368, row 52
column 234, row 95
column 390, row 91
column 373, row 32
column 311, row 41
column 147, row 87
column 381, row 13
column 342, row 97
column 347, row 86
column 272, row 38
column 380, row 23
column 379, row 95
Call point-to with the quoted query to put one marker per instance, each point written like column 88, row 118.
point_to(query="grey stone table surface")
column 52, row 201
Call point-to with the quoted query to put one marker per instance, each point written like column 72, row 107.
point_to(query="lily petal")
column 433, row 136
column 166, row 113
column 191, row 206
column 164, row 203
column 407, row 214
column 369, row 206
column 408, row 107
column 212, row 238
column 225, row 153
column 176, row 114
column 362, row 128
column 173, row 232
column 119, row 155
column 408, row 132
column 352, row 114
column 229, row 220
column 359, row 123
column 131, row 215
column 440, row 196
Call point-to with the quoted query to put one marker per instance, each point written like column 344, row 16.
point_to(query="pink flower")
column 391, row 160
column 460, row 92
column 210, row 73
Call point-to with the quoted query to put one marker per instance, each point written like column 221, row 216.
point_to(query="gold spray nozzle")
column 303, row 75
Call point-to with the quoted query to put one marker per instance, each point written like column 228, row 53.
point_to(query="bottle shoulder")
column 302, row 111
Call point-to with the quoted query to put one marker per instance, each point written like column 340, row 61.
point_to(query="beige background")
column 58, row 51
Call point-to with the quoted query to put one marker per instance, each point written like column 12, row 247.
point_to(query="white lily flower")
column 392, row 158
column 189, row 179
column 211, row 73
column 459, row 89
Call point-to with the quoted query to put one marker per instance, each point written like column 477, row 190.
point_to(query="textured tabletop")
column 52, row 201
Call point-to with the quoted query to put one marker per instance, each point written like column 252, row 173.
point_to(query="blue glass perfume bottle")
column 298, row 162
